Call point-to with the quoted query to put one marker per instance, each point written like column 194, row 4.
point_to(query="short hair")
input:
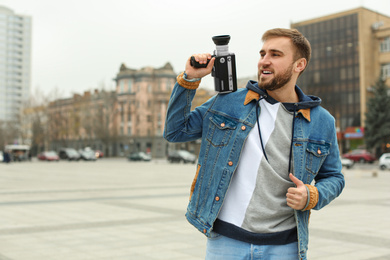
column 299, row 41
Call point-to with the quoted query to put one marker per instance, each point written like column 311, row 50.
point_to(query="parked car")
column 48, row 156
column 140, row 156
column 87, row 155
column 99, row 154
column 360, row 155
column 347, row 163
column 69, row 154
column 384, row 161
column 181, row 156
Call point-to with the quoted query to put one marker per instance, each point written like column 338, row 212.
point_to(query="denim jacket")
column 223, row 124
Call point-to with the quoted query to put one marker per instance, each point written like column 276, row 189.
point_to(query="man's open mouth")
column 266, row 72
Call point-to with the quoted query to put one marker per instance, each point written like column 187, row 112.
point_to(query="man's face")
column 275, row 67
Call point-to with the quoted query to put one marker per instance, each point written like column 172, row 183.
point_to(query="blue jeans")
column 223, row 248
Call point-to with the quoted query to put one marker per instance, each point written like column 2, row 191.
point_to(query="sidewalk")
column 115, row 209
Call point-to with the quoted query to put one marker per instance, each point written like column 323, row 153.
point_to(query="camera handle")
column 197, row 65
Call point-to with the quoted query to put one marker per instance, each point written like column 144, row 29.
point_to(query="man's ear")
column 300, row 65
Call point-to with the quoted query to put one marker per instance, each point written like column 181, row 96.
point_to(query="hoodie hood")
column 303, row 107
column 305, row 101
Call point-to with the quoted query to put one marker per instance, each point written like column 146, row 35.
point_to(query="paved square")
column 116, row 209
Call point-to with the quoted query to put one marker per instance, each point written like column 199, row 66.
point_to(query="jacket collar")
column 251, row 95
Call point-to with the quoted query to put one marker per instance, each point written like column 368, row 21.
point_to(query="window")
column 129, row 86
column 317, row 77
column 385, row 70
column 168, row 84
column 350, row 98
column 121, row 86
column 385, row 45
column 329, row 51
column 343, row 73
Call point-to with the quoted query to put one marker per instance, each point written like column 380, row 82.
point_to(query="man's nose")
column 264, row 61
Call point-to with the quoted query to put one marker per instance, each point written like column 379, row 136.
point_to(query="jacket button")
column 230, row 163
column 222, row 124
column 217, row 198
column 319, row 151
column 204, row 231
column 243, row 128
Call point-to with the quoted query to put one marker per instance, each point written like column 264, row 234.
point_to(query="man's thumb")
column 295, row 180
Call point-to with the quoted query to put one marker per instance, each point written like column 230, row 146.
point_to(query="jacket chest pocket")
column 315, row 156
column 220, row 130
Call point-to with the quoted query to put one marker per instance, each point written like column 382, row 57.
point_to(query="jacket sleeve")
column 182, row 124
column 329, row 182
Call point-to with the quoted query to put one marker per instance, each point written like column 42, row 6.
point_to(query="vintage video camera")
column 224, row 70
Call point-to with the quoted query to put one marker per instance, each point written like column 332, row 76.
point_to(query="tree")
column 34, row 122
column 86, row 121
column 105, row 125
column 9, row 132
column 377, row 131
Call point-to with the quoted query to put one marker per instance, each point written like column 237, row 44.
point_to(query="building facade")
column 350, row 51
column 143, row 97
column 81, row 121
column 129, row 119
column 15, row 63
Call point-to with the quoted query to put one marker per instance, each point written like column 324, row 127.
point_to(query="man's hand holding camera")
column 221, row 65
column 193, row 72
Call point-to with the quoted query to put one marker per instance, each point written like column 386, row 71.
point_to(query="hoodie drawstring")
column 261, row 139
column 292, row 139
column 258, row 124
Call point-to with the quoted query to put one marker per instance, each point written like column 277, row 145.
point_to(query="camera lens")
column 221, row 39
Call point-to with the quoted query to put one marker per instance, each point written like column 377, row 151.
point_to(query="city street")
column 115, row 209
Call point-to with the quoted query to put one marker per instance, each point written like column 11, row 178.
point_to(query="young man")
column 261, row 149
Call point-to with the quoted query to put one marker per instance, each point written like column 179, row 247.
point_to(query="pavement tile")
column 85, row 211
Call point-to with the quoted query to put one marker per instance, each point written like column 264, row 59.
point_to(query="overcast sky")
column 79, row 45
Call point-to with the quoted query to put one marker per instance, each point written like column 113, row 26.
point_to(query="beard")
column 278, row 81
